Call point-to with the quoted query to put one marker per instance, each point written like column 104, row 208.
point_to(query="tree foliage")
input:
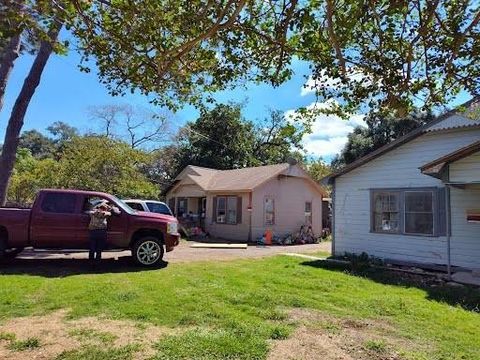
column 102, row 164
column 30, row 175
column 391, row 54
column 183, row 50
column 222, row 139
column 380, row 130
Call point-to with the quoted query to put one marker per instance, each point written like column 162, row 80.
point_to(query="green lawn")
column 232, row 309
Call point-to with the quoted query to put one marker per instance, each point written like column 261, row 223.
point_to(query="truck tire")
column 148, row 251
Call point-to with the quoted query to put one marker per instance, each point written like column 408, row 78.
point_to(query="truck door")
column 55, row 220
column 117, row 224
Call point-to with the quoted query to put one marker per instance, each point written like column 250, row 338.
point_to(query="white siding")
column 397, row 168
column 466, row 169
column 465, row 240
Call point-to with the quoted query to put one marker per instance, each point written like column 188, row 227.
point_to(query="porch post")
column 447, row 211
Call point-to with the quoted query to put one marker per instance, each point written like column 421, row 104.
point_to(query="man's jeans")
column 98, row 238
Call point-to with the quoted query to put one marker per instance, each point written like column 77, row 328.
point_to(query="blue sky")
column 65, row 93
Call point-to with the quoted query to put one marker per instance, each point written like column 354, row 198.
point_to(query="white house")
column 416, row 199
column 242, row 204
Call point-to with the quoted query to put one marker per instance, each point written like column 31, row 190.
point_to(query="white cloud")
column 329, row 132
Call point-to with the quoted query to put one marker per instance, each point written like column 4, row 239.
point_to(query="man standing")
column 98, row 229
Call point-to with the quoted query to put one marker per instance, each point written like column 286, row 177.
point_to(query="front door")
column 117, row 224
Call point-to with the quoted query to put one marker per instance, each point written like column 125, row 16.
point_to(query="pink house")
column 242, row 204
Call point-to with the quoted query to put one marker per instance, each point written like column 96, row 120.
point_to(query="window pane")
column 419, row 223
column 418, row 201
column 158, row 208
column 269, row 211
column 386, row 212
column 135, row 206
column 221, row 207
column 387, row 221
column 308, row 207
column 232, row 210
column 59, row 203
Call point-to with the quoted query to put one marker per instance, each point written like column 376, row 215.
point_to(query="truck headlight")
column 172, row 228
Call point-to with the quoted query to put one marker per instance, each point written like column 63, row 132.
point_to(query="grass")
column 93, row 335
column 7, row 336
column 23, row 345
column 233, row 309
column 100, row 353
column 378, row 346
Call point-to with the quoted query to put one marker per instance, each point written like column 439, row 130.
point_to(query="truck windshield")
column 122, row 205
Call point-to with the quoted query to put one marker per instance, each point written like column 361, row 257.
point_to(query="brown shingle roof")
column 244, row 179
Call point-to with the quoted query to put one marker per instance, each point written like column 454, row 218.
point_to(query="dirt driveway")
column 185, row 253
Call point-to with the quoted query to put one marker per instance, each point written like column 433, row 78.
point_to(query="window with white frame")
column 409, row 211
column 227, row 209
column 308, row 213
column 269, row 211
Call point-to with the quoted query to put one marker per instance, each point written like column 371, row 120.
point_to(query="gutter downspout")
column 447, row 210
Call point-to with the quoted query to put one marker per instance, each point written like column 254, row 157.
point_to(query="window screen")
column 386, row 206
column 308, row 213
column 269, row 211
column 419, row 212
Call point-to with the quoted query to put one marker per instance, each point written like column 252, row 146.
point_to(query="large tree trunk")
column 10, row 54
column 15, row 123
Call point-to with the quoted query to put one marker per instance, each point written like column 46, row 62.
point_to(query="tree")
column 318, row 169
column 220, row 138
column 102, row 164
column 381, row 129
column 30, row 175
column 15, row 123
column 62, row 132
column 151, row 46
column 391, row 55
column 140, row 127
column 277, row 139
column 39, row 145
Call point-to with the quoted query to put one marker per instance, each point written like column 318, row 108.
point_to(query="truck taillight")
column 172, row 228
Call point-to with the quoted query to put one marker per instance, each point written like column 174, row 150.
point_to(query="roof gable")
column 450, row 120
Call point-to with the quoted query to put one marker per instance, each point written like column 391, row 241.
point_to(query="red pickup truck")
column 59, row 219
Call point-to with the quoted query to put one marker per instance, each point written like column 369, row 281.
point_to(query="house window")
column 308, row 213
column 419, row 212
column 409, row 211
column 269, row 211
column 386, row 206
column 182, row 207
column 226, row 209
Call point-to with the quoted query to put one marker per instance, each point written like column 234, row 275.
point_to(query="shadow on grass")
column 55, row 268
column 467, row 297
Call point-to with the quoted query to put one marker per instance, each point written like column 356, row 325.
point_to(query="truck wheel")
column 148, row 251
